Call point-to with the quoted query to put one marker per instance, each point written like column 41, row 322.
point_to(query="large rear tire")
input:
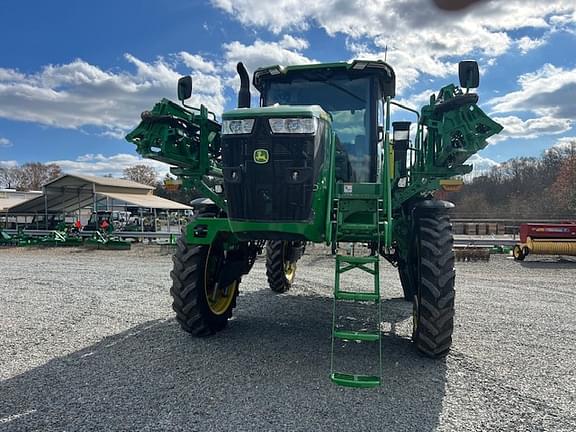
column 281, row 257
column 434, row 302
column 202, row 307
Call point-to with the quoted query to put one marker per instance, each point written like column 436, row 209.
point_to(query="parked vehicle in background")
column 118, row 219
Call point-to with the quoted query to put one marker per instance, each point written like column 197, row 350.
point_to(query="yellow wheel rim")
column 289, row 267
column 218, row 299
column 289, row 271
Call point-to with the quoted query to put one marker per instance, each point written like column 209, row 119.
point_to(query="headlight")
column 293, row 125
column 237, row 127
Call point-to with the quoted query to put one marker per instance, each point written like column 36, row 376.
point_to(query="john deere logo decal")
column 261, row 156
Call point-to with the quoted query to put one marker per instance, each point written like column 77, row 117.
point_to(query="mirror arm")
column 187, row 106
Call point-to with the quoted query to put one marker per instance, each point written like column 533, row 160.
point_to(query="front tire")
column 202, row 308
column 280, row 265
column 434, row 302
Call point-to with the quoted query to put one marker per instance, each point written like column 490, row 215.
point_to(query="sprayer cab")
column 350, row 93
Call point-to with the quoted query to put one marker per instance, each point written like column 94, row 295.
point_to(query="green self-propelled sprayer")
column 315, row 162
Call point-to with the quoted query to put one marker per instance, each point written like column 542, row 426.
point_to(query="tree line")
column 29, row 176
column 522, row 188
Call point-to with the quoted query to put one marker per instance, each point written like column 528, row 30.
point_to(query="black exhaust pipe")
column 244, row 92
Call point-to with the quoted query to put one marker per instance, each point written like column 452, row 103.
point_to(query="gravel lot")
column 88, row 342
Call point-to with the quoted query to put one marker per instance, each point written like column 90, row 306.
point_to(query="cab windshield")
column 348, row 100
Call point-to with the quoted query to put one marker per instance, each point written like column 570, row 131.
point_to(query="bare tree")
column 141, row 174
column 564, row 188
column 9, row 177
column 33, row 175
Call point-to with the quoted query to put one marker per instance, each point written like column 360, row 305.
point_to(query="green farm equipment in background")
column 19, row 239
column 6, row 239
column 60, row 238
column 319, row 160
column 106, row 241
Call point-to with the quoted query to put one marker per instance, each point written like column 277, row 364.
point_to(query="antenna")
column 385, row 52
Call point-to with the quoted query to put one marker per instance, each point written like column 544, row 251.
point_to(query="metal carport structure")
column 71, row 193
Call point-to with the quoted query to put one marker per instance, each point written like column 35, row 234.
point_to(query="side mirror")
column 468, row 74
column 184, row 88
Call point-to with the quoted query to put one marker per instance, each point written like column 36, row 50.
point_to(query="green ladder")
column 369, row 264
column 358, row 219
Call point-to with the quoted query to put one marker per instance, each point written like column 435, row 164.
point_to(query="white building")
column 11, row 197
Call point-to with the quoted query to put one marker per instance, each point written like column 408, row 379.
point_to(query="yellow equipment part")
column 551, row 247
column 451, row 185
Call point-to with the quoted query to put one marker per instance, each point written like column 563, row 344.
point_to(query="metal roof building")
column 72, row 192
column 11, row 197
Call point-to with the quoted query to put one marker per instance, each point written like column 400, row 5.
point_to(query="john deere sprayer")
column 319, row 160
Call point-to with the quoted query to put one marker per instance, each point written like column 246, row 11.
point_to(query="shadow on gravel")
column 549, row 263
column 267, row 371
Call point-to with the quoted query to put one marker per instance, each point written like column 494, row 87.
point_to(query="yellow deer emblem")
column 261, row 156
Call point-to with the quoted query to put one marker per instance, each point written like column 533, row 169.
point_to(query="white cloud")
column 262, row 53
column 515, row 127
column 564, row 21
column 10, row 75
column 567, row 143
column 196, row 62
column 100, row 165
column 79, row 94
column 275, row 15
column 290, row 42
column 375, row 17
column 5, row 142
column 8, row 163
column 481, row 165
column 417, row 100
column 550, row 91
column 420, row 38
column 526, row 44
column 430, row 51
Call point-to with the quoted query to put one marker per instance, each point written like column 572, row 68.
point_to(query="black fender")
column 204, row 205
column 432, row 205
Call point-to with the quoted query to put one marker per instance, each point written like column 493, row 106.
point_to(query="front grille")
column 279, row 190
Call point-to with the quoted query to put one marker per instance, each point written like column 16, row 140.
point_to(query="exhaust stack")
column 244, row 92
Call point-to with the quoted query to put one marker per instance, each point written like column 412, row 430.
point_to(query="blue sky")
column 74, row 76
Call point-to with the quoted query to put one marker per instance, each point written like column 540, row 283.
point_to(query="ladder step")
column 357, row 335
column 348, row 227
column 360, row 381
column 356, row 296
column 357, row 259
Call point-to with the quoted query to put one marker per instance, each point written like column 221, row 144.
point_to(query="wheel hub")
column 218, row 298
column 289, row 271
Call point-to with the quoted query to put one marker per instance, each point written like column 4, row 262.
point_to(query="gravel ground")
column 88, row 342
